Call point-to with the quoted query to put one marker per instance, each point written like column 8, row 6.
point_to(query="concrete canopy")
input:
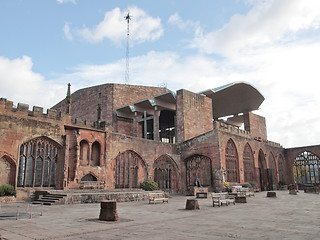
column 234, row 98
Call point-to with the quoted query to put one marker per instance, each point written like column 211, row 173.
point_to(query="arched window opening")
column 165, row 173
column 7, row 171
column 306, row 168
column 95, row 154
column 232, row 163
column 248, row 164
column 37, row 163
column 199, row 167
column 89, row 178
column 84, row 153
column 130, row 170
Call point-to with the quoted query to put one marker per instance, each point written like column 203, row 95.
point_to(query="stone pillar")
column 156, row 136
column 108, row 211
column 66, row 162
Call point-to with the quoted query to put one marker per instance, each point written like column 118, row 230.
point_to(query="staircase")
column 49, row 198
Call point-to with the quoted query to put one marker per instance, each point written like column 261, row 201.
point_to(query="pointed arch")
column 37, row 163
column 248, row 163
column 306, row 168
column 130, row 170
column 166, row 173
column 95, row 154
column 84, row 152
column 89, row 177
column 198, row 167
column 7, row 170
column 232, row 162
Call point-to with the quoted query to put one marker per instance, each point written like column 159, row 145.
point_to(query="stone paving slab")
column 285, row 217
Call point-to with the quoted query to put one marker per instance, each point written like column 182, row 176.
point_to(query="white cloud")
column 66, row 1
column 66, row 31
column 113, row 27
column 267, row 22
column 286, row 76
column 176, row 20
column 20, row 84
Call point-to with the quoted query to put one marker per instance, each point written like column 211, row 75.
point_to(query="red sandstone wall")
column 240, row 142
column 148, row 150
column 206, row 145
column 194, row 115
column 19, row 125
column 124, row 126
column 84, row 102
column 256, row 125
column 76, row 170
column 292, row 153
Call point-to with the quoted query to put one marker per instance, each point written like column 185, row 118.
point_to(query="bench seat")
column 222, row 198
column 157, row 197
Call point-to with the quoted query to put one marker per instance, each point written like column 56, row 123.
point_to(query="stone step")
column 44, row 203
column 51, row 198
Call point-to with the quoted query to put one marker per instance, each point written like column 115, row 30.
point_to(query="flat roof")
column 234, row 98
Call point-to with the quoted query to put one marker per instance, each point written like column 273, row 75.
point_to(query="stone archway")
column 37, row 163
column 198, row 167
column 248, row 164
column 130, row 170
column 232, row 162
column 7, row 171
column 89, row 178
column 306, row 168
column 263, row 179
column 166, row 173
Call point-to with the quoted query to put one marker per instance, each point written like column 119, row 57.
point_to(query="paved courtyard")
column 284, row 217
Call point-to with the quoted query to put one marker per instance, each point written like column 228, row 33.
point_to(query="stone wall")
column 194, row 115
column 256, row 125
column 84, row 102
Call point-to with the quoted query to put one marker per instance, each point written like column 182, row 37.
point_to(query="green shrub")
column 246, row 185
column 7, row 190
column 149, row 185
column 252, row 184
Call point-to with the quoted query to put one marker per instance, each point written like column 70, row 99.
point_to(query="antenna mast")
column 128, row 19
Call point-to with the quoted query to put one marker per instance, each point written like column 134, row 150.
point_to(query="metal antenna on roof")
column 128, row 19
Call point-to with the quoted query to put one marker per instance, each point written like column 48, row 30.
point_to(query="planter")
column 6, row 199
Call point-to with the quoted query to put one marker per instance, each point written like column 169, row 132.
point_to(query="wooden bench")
column 245, row 192
column 157, row 197
column 222, row 198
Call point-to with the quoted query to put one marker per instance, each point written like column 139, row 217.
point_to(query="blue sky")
column 272, row 44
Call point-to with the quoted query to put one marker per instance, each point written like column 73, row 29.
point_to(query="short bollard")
column 192, row 204
column 108, row 211
column 271, row 194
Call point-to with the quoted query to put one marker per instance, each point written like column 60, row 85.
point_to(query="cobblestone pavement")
column 284, row 217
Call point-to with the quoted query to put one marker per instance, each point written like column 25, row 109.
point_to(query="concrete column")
column 145, row 127
column 156, row 136
column 135, row 124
